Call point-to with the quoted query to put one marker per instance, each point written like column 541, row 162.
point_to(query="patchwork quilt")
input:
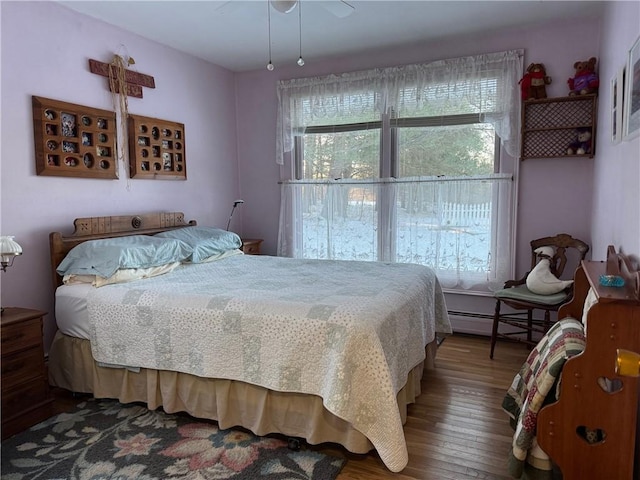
column 534, row 386
column 348, row 332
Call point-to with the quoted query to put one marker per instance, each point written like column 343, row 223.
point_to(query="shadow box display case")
column 156, row 149
column 74, row 140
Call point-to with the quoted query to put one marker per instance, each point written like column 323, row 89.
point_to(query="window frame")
column 298, row 145
column 390, row 164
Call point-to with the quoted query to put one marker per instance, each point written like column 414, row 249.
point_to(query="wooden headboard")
column 94, row 228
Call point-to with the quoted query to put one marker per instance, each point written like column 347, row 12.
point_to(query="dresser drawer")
column 15, row 399
column 21, row 367
column 20, row 336
column 25, row 390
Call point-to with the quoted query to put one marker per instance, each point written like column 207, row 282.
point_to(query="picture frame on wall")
column 631, row 104
column 617, row 99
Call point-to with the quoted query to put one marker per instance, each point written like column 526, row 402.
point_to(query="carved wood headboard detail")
column 94, row 228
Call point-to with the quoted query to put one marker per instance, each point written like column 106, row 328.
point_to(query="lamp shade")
column 9, row 249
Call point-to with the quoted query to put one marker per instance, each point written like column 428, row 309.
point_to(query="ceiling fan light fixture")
column 284, row 6
column 300, row 61
column 270, row 66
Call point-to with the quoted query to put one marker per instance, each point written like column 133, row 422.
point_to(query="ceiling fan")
column 339, row 8
column 284, row 6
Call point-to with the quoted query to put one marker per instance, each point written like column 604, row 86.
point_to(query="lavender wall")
column 45, row 52
column 555, row 195
column 616, row 202
column 231, row 155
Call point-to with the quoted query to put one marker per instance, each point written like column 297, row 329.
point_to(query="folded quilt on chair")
column 532, row 388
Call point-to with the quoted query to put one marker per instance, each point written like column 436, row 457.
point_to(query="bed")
column 328, row 351
column 570, row 408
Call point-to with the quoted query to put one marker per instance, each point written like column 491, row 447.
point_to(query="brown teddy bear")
column 582, row 143
column 585, row 80
column 533, row 84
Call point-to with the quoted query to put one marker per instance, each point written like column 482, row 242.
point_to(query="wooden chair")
column 515, row 294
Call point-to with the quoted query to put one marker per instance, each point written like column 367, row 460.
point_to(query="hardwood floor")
column 457, row 429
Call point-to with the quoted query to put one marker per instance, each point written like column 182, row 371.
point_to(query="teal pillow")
column 106, row 256
column 205, row 241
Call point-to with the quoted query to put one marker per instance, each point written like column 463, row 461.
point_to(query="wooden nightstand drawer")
column 21, row 367
column 19, row 336
column 25, row 389
column 251, row 246
column 30, row 393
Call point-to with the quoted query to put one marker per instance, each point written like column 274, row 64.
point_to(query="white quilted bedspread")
column 348, row 332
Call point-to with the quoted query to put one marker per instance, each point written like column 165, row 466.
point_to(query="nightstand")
column 25, row 389
column 251, row 246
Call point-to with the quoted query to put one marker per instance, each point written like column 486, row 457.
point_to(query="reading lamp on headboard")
column 235, row 204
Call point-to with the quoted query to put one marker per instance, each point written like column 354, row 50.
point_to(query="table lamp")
column 9, row 250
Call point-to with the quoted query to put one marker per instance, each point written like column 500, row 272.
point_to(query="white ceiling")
column 234, row 34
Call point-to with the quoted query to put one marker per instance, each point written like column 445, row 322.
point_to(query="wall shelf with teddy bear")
column 561, row 126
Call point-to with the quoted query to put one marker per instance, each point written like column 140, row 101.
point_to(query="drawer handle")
column 14, row 367
column 13, row 338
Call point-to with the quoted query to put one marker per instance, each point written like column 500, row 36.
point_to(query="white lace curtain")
column 454, row 225
column 462, row 227
column 488, row 82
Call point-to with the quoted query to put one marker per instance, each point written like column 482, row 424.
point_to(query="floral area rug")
column 105, row 440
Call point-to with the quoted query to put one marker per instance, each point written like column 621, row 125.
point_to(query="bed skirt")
column 230, row 403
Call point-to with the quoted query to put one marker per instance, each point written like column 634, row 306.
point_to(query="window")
column 416, row 179
column 340, row 151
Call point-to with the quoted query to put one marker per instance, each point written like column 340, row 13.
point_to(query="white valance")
column 484, row 84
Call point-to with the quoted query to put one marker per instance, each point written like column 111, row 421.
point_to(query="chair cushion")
column 523, row 294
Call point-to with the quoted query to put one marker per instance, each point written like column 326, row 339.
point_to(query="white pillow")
column 220, row 256
column 123, row 275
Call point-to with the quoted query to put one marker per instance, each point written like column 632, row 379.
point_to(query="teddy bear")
column 585, row 79
column 533, row 84
column 582, row 144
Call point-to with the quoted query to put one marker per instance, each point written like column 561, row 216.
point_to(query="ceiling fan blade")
column 340, row 8
column 229, row 7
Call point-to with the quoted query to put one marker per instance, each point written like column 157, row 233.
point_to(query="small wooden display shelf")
column 550, row 125
column 74, row 140
column 156, row 149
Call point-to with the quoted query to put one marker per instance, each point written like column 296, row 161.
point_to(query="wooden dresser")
column 26, row 399
column 251, row 246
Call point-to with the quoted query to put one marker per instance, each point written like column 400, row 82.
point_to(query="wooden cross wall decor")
column 134, row 80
